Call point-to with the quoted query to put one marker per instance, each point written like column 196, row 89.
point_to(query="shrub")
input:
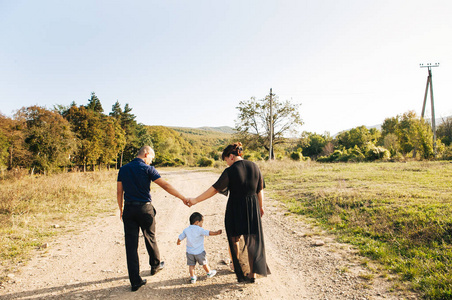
column 374, row 153
column 205, row 162
column 447, row 153
column 296, row 156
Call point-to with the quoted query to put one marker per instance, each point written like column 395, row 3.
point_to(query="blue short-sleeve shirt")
column 136, row 178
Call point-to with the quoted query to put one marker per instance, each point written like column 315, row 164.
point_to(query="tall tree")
column 253, row 123
column 87, row 125
column 48, row 137
column 94, row 104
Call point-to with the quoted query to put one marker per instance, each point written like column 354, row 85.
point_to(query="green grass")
column 399, row 214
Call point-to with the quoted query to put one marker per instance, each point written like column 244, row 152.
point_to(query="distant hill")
column 205, row 130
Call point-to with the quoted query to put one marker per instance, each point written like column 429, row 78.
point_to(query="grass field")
column 399, row 214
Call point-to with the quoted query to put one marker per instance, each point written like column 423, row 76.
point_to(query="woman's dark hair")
column 195, row 217
column 235, row 149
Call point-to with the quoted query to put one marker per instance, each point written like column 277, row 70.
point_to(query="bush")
column 374, row 153
column 205, row 162
column 447, row 153
column 296, row 156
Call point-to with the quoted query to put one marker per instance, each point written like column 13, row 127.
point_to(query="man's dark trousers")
column 136, row 216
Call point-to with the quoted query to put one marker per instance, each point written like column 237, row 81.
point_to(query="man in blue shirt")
column 136, row 211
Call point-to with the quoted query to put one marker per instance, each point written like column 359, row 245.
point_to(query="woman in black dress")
column 244, row 182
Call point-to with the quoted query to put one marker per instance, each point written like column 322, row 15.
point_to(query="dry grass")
column 31, row 206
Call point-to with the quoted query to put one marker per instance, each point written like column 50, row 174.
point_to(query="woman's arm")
column 260, row 198
column 206, row 195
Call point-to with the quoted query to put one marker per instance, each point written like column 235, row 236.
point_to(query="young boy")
column 195, row 245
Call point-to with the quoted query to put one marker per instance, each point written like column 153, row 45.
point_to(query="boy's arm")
column 215, row 232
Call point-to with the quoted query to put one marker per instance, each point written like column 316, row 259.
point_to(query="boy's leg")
column 206, row 268
column 191, row 270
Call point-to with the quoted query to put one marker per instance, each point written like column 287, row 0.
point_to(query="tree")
column 358, row 136
column 87, row 125
column 312, row 144
column 48, row 137
column 253, row 123
column 413, row 134
column 94, row 104
column 114, row 140
column 136, row 134
column 444, row 131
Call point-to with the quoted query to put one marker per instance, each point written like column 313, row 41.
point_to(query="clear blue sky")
column 190, row 63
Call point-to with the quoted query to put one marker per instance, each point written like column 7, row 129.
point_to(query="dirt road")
column 89, row 262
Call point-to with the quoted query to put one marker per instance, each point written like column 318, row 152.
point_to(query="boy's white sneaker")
column 193, row 279
column 211, row 273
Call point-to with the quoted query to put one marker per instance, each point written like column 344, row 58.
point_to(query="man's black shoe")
column 136, row 287
column 155, row 270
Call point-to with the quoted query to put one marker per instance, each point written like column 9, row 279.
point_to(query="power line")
column 429, row 67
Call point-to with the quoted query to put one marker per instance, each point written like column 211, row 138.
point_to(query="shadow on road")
column 178, row 289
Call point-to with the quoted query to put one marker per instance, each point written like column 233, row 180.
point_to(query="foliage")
column 48, row 137
column 170, row 148
column 136, row 135
column 359, row 136
column 87, row 125
column 412, row 132
column 313, row 144
column 375, row 153
column 296, row 155
column 205, row 162
column 444, row 131
column 447, row 153
column 94, row 104
column 253, row 123
column 398, row 214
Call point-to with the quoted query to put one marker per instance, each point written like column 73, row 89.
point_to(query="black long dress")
column 243, row 180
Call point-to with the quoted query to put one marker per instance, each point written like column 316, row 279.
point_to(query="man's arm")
column 120, row 197
column 170, row 189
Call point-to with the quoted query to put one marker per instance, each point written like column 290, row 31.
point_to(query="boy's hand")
column 219, row 231
column 178, row 241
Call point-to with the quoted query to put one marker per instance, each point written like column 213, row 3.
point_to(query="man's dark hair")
column 195, row 217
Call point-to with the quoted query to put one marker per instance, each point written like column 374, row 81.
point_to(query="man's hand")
column 191, row 202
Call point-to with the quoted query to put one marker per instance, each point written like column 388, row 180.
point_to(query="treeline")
column 83, row 137
column 401, row 137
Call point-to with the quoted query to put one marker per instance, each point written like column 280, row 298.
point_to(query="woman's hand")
column 191, row 201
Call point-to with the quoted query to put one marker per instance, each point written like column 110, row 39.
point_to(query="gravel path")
column 89, row 261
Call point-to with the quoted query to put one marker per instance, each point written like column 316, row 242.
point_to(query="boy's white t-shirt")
column 195, row 238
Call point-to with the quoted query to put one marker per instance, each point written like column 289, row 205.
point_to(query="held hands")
column 189, row 201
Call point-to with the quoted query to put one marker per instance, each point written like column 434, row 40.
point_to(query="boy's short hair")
column 195, row 217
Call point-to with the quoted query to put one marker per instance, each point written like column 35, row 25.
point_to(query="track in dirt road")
column 89, row 261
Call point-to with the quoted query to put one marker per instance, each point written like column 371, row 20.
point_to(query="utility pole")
column 429, row 67
column 270, row 157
